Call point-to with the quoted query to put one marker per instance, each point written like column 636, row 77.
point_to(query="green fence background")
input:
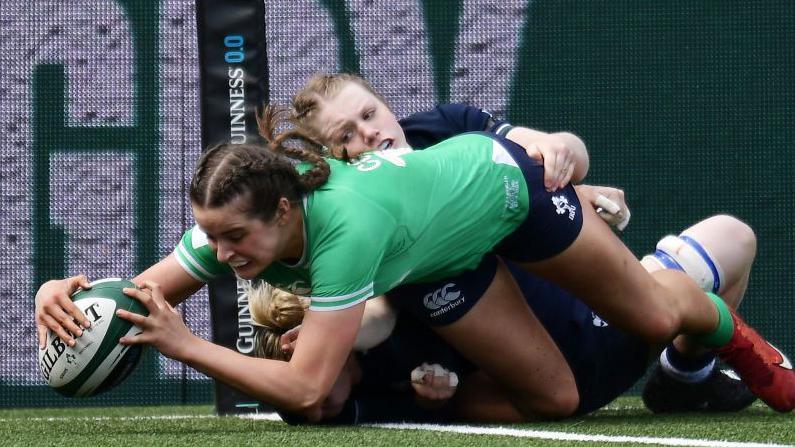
column 688, row 106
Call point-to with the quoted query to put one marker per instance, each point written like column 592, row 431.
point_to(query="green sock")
column 725, row 329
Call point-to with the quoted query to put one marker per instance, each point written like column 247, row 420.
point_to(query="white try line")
column 550, row 435
column 110, row 418
column 258, row 416
column 563, row 436
column 462, row 429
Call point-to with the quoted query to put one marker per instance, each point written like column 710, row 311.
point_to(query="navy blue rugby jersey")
column 427, row 128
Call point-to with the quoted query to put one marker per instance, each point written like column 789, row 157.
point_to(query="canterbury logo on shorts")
column 441, row 297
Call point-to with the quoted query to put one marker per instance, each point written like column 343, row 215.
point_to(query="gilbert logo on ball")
column 97, row 362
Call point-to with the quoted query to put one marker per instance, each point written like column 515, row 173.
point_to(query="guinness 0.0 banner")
column 233, row 68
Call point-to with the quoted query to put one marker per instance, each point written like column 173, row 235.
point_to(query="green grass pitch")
column 624, row 422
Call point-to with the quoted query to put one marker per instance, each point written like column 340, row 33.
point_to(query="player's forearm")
column 174, row 281
column 377, row 323
column 271, row 381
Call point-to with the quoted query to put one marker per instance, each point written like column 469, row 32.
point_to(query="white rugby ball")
column 97, row 362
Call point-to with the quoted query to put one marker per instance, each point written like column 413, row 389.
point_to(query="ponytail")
column 274, row 312
column 274, row 117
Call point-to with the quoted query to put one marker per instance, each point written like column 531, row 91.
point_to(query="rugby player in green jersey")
column 346, row 114
column 343, row 233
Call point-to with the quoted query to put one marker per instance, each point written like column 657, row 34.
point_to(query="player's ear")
column 283, row 211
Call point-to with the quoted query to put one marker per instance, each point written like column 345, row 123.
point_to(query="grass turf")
column 197, row 426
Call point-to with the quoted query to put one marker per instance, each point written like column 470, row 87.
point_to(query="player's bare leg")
column 718, row 253
column 600, row 270
column 501, row 335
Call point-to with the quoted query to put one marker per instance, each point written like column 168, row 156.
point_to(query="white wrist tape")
column 607, row 205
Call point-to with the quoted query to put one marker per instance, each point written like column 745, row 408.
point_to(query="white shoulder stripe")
column 182, row 253
column 188, row 270
column 368, row 289
column 198, row 238
column 345, row 305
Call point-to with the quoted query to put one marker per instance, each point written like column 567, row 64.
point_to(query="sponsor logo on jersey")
column 198, row 238
column 784, row 362
column 443, row 299
column 511, row 193
column 562, row 206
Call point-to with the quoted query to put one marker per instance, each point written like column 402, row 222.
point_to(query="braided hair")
column 260, row 176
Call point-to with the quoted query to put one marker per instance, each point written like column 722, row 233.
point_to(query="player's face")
column 357, row 121
column 249, row 245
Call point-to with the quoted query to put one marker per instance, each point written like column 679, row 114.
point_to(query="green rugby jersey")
column 393, row 217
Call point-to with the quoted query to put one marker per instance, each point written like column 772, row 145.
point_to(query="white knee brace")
column 686, row 254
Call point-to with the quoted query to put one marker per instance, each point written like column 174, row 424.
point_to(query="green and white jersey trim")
column 326, row 303
column 191, row 266
column 500, row 155
column 197, row 258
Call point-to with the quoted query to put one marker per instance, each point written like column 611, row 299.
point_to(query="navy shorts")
column 554, row 220
column 443, row 302
column 605, row 362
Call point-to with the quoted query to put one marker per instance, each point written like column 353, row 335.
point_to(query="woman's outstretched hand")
column 163, row 328
column 55, row 310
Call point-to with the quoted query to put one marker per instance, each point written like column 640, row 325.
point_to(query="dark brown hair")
column 261, row 176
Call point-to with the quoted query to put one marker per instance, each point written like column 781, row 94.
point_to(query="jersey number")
column 372, row 160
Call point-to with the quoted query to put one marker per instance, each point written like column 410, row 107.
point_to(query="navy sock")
column 686, row 368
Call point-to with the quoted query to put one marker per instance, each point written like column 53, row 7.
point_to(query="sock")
column 725, row 329
column 685, row 368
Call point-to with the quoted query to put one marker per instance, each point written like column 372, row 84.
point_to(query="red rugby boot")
column 766, row 370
